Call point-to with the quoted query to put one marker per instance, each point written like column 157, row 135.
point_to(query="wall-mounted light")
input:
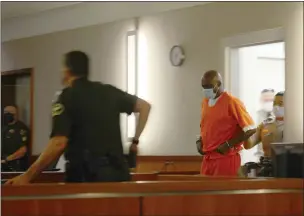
column 131, row 77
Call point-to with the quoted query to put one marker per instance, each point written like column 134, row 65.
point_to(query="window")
column 131, row 77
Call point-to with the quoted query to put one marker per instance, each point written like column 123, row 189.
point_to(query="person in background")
column 15, row 140
column 269, row 131
column 266, row 101
column 86, row 126
column 225, row 125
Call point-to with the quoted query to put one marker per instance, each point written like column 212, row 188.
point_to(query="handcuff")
column 229, row 146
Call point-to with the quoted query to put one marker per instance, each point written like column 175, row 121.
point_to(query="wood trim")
column 33, row 158
column 152, row 187
column 32, row 83
column 24, row 71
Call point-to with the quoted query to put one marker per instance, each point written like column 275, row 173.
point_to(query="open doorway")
column 17, row 90
column 256, row 69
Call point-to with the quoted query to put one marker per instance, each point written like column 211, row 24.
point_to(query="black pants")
column 14, row 166
column 97, row 172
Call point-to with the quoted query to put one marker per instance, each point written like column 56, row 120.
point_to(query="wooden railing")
column 205, row 196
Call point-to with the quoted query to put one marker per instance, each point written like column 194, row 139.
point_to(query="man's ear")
column 221, row 86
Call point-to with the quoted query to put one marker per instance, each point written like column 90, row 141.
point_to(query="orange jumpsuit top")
column 223, row 121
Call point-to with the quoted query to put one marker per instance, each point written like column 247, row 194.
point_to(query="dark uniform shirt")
column 14, row 137
column 88, row 113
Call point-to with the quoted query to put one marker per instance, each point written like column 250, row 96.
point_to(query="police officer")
column 266, row 100
column 15, row 140
column 270, row 131
column 86, row 125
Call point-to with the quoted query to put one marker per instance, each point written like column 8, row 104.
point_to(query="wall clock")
column 177, row 56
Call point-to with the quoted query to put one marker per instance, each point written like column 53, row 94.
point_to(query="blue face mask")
column 209, row 93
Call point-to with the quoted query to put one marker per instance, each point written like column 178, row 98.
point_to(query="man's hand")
column 223, row 149
column 199, row 145
column 249, row 133
column 134, row 147
column 19, row 180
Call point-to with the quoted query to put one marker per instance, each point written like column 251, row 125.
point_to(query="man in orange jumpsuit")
column 225, row 127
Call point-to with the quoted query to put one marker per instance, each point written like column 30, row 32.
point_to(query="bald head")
column 211, row 79
column 212, row 84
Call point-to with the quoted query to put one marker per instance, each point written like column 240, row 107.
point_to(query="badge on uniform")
column 24, row 138
column 57, row 109
column 22, row 132
column 11, row 131
column 266, row 132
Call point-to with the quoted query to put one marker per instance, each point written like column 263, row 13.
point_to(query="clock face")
column 177, row 56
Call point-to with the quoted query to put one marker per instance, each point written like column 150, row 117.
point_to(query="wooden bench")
column 204, row 197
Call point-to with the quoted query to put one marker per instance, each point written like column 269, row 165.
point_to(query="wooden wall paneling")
column 197, row 177
column 278, row 204
column 205, row 197
column 191, row 164
column 122, row 206
column 168, row 163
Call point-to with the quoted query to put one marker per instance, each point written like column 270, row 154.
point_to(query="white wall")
column 176, row 115
column 174, row 92
column 293, row 129
column 105, row 44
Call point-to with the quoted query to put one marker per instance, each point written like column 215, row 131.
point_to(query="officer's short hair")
column 281, row 93
column 78, row 63
column 12, row 105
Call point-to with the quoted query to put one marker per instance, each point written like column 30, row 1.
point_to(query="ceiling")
column 50, row 17
column 17, row 9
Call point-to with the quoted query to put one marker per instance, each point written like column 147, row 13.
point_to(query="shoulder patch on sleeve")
column 57, row 109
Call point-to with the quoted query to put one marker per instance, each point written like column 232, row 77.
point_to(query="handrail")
column 111, row 195
column 151, row 186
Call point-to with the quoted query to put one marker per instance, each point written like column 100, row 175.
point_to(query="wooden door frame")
column 26, row 71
